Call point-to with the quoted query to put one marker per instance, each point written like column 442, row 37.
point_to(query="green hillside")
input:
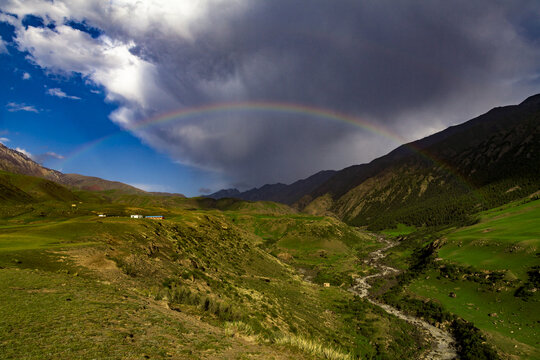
column 24, row 189
column 203, row 283
column 486, row 273
column 492, row 267
column 442, row 179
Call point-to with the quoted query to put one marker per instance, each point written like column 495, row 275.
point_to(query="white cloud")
column 3, row 48
column 104, row 61
column 26, row 76
column 54, row 155
column 41, row 158
column 23, row 151
column 14, row 107
column 59, row 93
column 4, row 140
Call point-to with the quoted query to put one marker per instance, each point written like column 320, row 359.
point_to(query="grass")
column 221, row 279
column 498, row 251
column 400, row 229
column 506, row 238
column 180, row 287
column 324, row 248
column 514, row 329
column 82, row 319
column 314, row 347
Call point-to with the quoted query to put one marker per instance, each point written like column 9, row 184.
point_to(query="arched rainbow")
column 274, row 107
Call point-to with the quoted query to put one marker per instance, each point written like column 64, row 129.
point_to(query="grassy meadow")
column 487, row 274
column 210, row 281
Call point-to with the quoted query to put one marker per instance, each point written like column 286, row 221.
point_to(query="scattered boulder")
column 492, row 315
column 452, row 294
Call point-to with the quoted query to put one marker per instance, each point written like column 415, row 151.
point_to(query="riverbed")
column 443, row 345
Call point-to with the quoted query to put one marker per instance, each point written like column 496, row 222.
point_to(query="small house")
column 137, row 216
column 102, row 215
column 155, row 217
column 326, row 284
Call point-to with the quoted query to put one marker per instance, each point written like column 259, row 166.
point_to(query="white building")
column 102, row 215
column 137, row 216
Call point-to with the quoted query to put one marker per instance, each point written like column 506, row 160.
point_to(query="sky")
column 195, row 96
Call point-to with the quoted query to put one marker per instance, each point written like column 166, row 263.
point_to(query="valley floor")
column 201, row 285
column 230, row 283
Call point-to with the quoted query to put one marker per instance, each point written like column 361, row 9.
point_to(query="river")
column 443, row 343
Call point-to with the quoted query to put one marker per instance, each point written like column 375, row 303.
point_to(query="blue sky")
column 77, row 71
column 43, row 124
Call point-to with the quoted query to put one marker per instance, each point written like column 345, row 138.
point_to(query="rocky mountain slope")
column 442, row 178
column 18, row 163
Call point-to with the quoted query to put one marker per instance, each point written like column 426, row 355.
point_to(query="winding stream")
column 443, row 342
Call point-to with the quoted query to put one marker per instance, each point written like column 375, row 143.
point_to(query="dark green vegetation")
column 443, row 179
column 210, row 281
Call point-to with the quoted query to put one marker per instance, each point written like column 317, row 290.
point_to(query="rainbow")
column 271, row 107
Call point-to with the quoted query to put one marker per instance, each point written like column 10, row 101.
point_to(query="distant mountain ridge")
column 16, row 162
column 483, row 162
column 286, row 194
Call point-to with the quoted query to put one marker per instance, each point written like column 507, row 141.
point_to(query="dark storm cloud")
column 413, row 67
column 375, row 58
column 380, row 60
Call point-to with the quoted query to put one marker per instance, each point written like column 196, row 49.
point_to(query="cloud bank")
column 411, row 67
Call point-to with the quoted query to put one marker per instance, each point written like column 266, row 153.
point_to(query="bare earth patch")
column 95, row 260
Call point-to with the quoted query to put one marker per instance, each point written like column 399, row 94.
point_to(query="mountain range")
column 286, row 194
column 483, row 162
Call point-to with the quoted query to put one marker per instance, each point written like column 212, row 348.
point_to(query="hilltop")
column 16, row 162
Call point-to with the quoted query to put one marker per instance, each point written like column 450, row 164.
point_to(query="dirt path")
column 443, row 342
